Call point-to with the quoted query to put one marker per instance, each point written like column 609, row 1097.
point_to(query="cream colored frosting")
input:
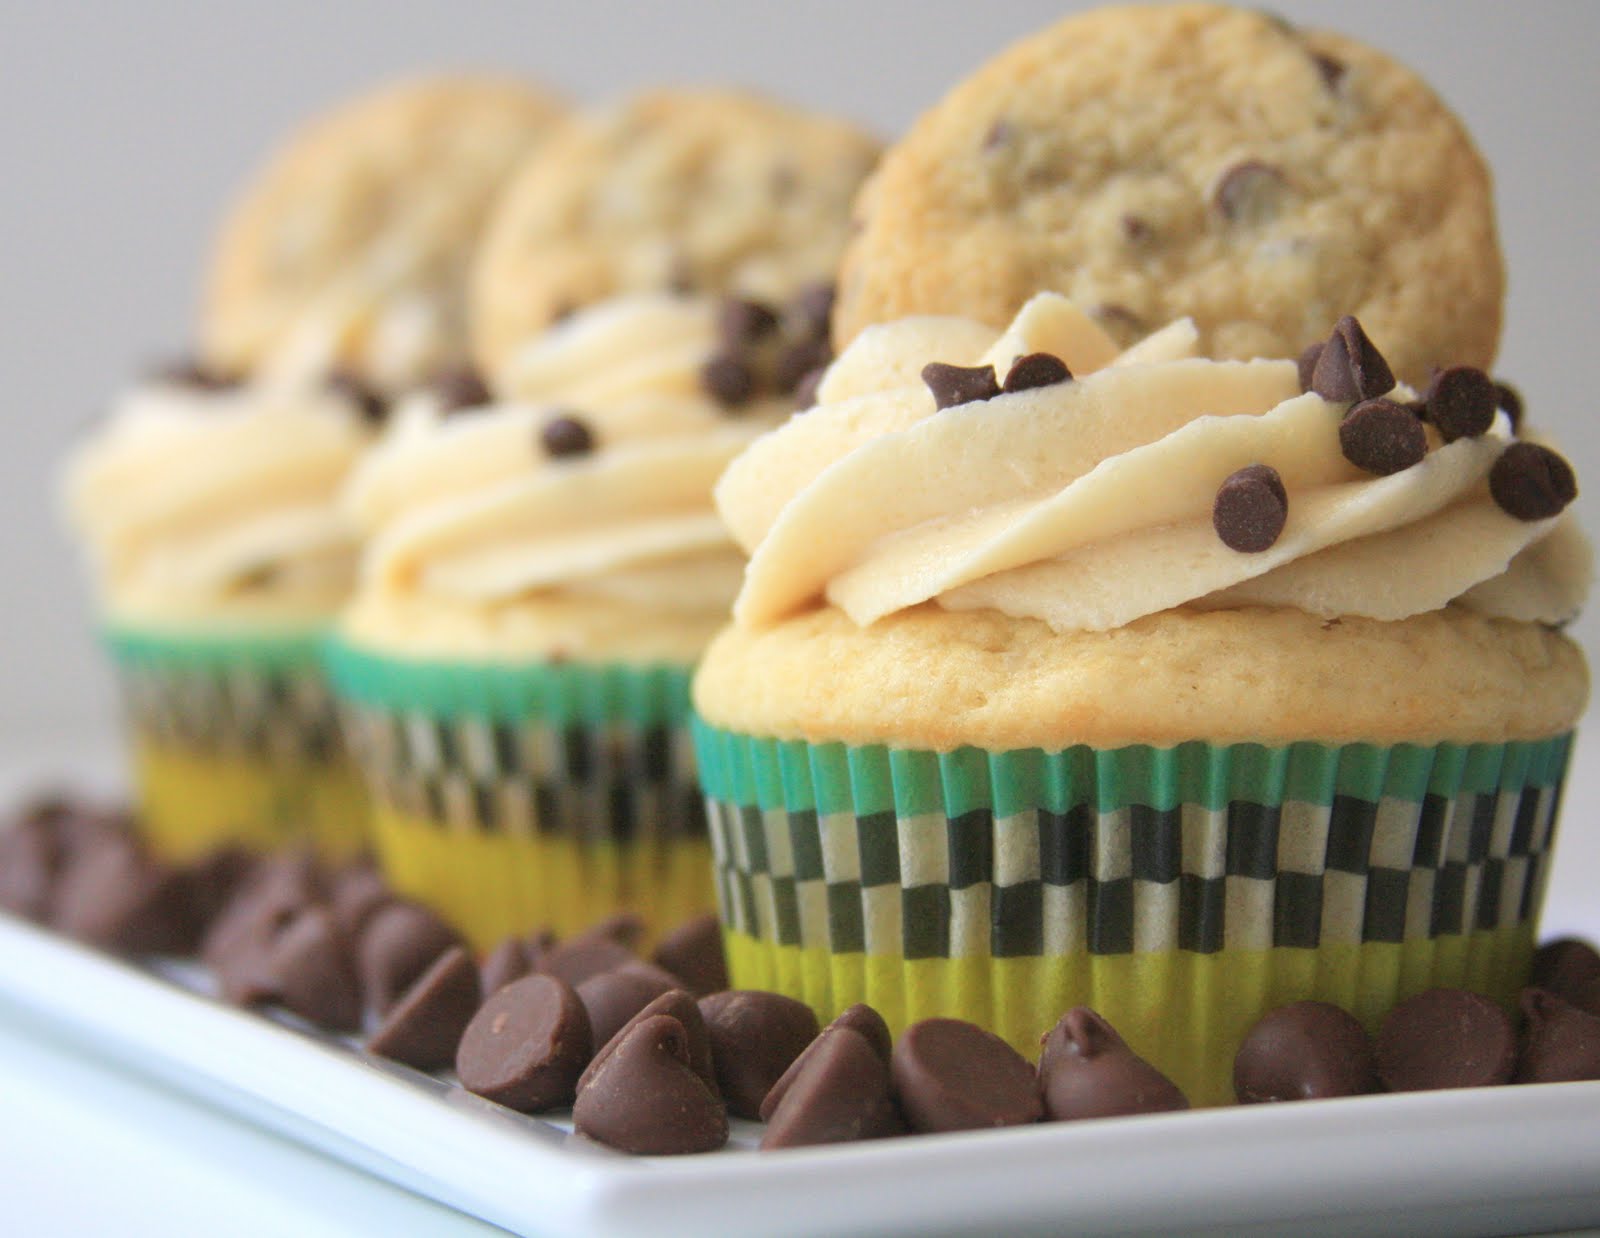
column 1087, row 504
column 467, row 514
column 215, row 505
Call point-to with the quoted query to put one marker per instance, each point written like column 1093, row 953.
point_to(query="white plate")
column 1494, row 1160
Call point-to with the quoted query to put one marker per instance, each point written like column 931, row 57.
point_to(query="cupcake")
column 1148, row 682
column 542, row 571
column 208, row 500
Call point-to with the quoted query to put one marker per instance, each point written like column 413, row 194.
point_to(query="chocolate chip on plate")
column 309, row 971
column 646, row 1098
column 1304, row 1051
column 954, row 385
column 1037, row 369
column 526, row 1046
column 424, row 1028
column 1445, row 1038
column 216, row 878
column 31, row 858
column 728, row 379
column 1350, row 368
column 1461, row 402
column 861, row 1019
column 693, row 953
column 400, row 942
column 1560, row 1044
column 112, row 895
column 1531, row 482
column 357, row 893
column 1570, row 969
column 614, row 997
column 588, row 954
column 1086, row 1070
column 839, row 1091
column 566, row 436
column 511, row 960
column 1250, row 509
column 754, row 1037
column 951, row 1075
column 681, row 1006
column 1382, row 437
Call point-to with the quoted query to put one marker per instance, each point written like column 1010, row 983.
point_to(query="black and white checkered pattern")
column 273, row 713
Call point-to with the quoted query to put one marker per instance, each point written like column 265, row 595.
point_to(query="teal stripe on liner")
column 176, row 650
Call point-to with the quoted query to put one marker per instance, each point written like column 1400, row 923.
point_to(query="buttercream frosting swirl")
column 1088, row 503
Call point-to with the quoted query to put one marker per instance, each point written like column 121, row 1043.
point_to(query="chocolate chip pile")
column 653, row 1056
column 766, row 349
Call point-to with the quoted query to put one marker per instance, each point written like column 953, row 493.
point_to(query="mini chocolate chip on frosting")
column 459, row 388
column 1037, row 369
column 1350, row 367
column 729, row 379
column 566, row 436
column 795, row 361
column 1531, row 482
column 954, row 385
column 367, row 401
column 194, row 374
column 741, row 322
column 1382, row 437
column 1251, row 509
column 1461, row 402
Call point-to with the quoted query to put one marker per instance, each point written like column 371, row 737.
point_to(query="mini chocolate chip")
column 309, row 971
column 1086, row 1070
column 1350, row 368
column 1561, row 1043
column 1461, row 401
column 1250, row 509
column 1307, row 364
column 682, row 1007
column 1570, row 969
column 951, row 1075
column 1135, row 230
column 754, row 1037
column 566, row 436
column 31, row 859
column 352, row 387
column 840, row 1093
column 425, row 1026
column 860, row 1019
column 1332, row 70
column 459, row 388
column 1119, row 320
column 796, row 360
column 805, row 391
column 358, row 893
column 195, row 374
column 1445, row 1038
column 614, row 997
column 953, row 385
column 583, row 956
column 999, row 134
column 814, row 305
column 1509, row 401
column 510, row 960
column 114, row 896
column 728, row 379
column 1037, row 369
column 693, row 953
column 1382, row 437
column 399, row 943
column 1304, row 1051
column 741, row 322
column 526, row 1046
column 1531, row 482
column 646, row 1098
column 1249, row 192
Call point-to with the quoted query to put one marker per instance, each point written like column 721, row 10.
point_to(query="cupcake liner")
column 235, row 738
column 518, row 796
column 1182, row 892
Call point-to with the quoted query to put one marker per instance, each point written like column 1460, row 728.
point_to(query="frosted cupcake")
column 1062, row 674
column 208, row 501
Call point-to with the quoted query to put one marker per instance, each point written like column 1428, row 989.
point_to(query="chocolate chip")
column 754, row 1038
column 1445, row 1038
column 1461, row 401
column 31, row 858
column 953, row 385
column 796, row 360
column 459, row 388
column 861, row 1019
column 741, row 323
column 510, row 960
column 1249, row 192
column 950, row 1075
column 1561, row 1043
column 1119, row 320
column 693, row 953
column 1332, row 70
column 814, row 305
column 357, row 895
column 1307, row 364
column 1135, row 230
column 999, row 134
column 399, row 943
column 1304, row 1051
column 1531, row 482
column 194, row 374
column 805, row 391
column 526, row 1046
column 352, row 387
column 614, row 997
column 309, row 971
column 1349, row 368
column 681, row 1006
column 114, row 896
column 1382, row 437
column 1570, row 969
column 425, row 1026
column 1037, row 369
column 729, row 380
column 583, row 956
column 647, row 1099
column 626, row 928
column 840, row 1093
column 270, row 896
column 566, row 436
column 1251, row 508
column 1086, row 1070
column 216, row 878
column 1509, row 401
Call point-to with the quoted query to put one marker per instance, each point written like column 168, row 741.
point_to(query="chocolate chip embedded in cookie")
column 1191, row 159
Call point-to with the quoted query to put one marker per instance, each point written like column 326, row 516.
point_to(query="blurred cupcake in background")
column 208, row 500
column 543, row 570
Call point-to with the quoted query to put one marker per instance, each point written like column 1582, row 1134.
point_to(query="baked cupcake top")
column 1043, row 473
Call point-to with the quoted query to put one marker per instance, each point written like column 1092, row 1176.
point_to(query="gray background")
column 123, row 128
